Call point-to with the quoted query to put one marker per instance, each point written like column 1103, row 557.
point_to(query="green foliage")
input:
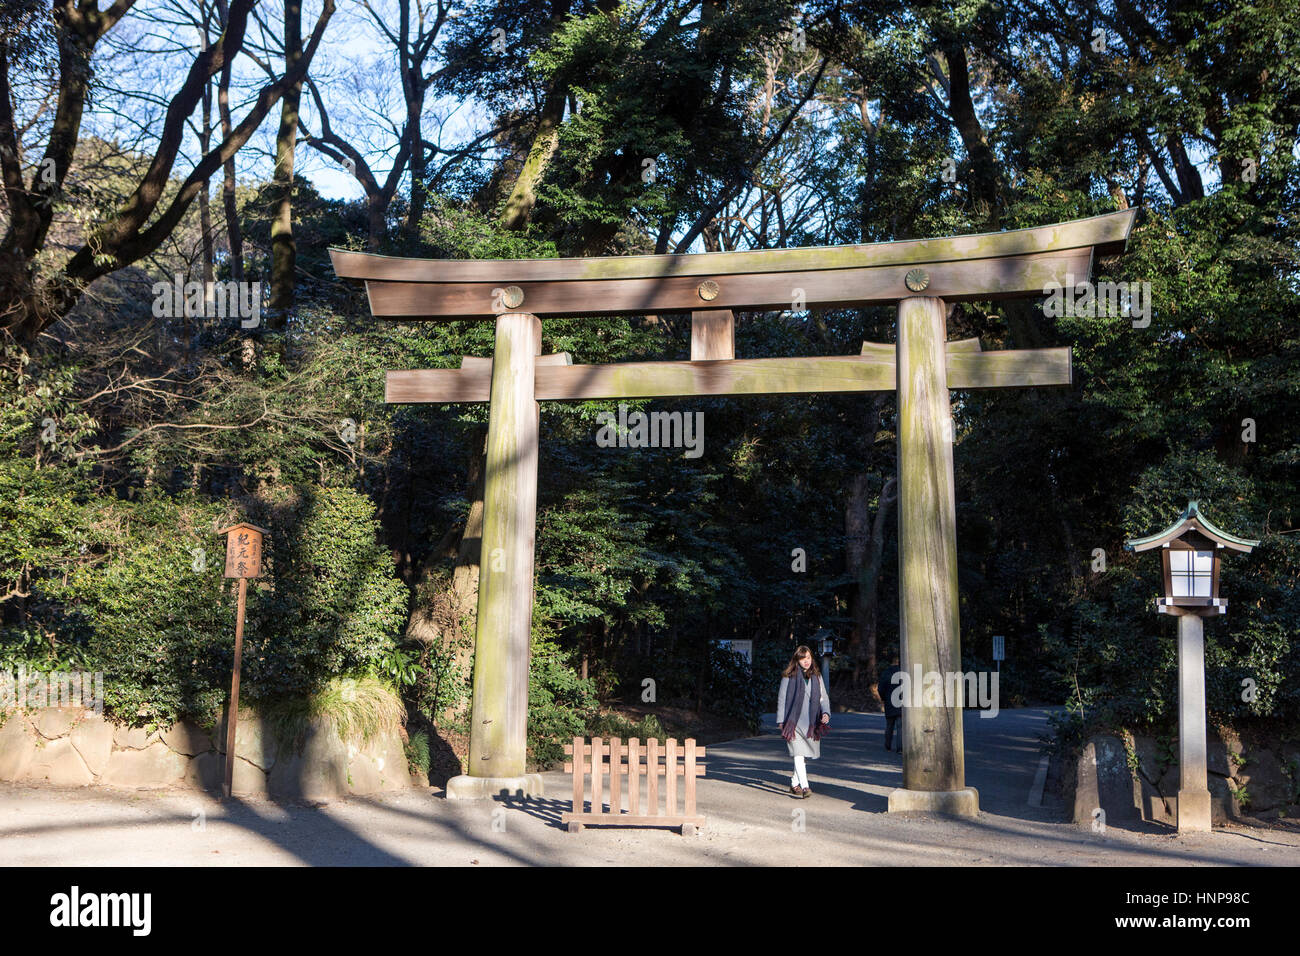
column 147, row 605
column 441, row 687
column 336, row 607
column 734, row 692
column 560, row 703
column 616, row 725
column 400, row 667
column 319, row 223
column 417, row 752
column 356, row 708
column 721, row 680
column 45, row 496
column 456, row 231
column 1118, row 659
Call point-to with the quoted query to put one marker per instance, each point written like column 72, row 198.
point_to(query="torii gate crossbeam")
column 922, row 367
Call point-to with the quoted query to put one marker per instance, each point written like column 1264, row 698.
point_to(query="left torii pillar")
column 498, row 733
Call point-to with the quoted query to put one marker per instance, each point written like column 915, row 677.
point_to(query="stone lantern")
column 1191, row 553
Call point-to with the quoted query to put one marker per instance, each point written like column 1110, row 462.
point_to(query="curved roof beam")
column 1019, row 262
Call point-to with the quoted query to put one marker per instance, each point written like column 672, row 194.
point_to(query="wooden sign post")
column 243, row 561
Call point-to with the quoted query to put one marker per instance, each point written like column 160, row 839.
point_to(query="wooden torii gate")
column 919, row 276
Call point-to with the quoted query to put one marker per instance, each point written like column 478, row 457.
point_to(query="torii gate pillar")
column 934, row 766
column 502, row 647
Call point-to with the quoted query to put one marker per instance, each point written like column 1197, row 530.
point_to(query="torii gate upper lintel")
column 919, row 276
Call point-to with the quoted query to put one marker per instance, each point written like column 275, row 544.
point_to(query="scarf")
column 794, row 707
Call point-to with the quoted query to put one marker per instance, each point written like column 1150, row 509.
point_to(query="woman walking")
column 803, row 708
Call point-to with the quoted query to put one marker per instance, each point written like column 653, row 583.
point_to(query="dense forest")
column 150, row 144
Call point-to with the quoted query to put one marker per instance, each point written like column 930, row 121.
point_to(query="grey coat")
column 803, row 745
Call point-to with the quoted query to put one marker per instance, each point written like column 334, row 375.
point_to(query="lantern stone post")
column 1191, row 550
column 1193, row 756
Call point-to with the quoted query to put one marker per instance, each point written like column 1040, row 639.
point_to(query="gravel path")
column 752, row 820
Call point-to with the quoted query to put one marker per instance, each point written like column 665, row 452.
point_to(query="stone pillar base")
column 1193, row 811
column 465, row 787
column 961, row 803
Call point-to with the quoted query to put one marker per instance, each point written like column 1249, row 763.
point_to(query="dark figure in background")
column 886, row 689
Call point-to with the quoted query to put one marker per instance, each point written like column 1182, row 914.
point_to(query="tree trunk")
column 1189, row 177
column 523, row 197
column 984, row 185
column 234, row 235
column 376, row 213
column 284, row 252
column 205, row 207
column 865, row 556
column 413, row 94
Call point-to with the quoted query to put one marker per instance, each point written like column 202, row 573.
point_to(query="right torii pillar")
column 934, row 766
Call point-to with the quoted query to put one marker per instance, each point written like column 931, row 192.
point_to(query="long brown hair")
column 793, row 667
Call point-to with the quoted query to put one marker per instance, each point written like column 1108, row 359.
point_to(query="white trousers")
column 800, row 776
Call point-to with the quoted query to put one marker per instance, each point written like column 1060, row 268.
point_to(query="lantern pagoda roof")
column 1191, row 520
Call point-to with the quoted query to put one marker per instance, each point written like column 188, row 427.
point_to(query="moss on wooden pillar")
column 498, row 732
column 933, row 758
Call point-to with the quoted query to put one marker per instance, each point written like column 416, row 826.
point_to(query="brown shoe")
column 805, row 793
column 795, row 790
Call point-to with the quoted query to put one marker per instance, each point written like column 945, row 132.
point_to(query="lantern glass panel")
column 1190, row 573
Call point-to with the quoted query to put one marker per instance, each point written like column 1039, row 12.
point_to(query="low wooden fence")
column 642, row 760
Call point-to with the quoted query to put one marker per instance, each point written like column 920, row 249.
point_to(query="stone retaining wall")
column 69, row 747
column 1266, row 776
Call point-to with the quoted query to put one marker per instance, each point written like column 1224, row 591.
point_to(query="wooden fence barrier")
column 625, row 776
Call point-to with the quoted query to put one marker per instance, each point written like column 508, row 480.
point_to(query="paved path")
column 752, row 820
